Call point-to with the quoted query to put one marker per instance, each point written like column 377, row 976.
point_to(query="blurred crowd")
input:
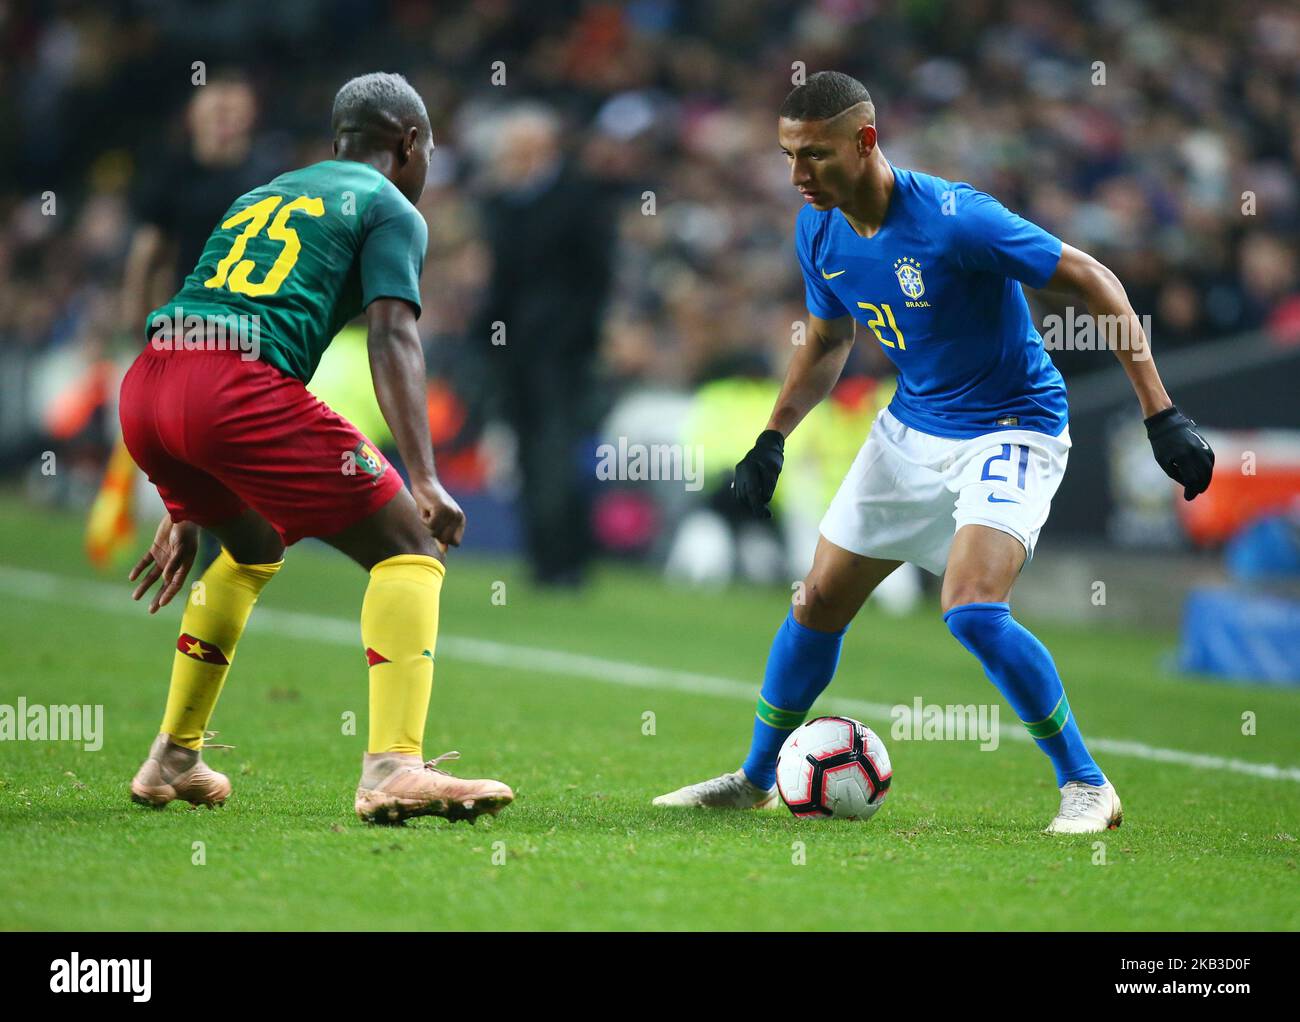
column 1161, row 135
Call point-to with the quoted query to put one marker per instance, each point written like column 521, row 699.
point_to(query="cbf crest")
column 908, row 272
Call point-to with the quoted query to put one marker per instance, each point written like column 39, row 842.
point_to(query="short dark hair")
column 377, row 106
column 824, row 95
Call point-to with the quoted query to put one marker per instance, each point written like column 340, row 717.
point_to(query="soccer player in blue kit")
column 958, row 473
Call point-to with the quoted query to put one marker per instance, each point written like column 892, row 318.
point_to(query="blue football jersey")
column 938, row 287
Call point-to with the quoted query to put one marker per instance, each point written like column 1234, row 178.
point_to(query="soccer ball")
column 833, row 766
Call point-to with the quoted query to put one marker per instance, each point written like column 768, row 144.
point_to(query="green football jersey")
column 305, row 254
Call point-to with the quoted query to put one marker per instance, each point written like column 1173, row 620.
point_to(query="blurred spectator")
column 1158, row 134
column 549, row 234
column 1162, row 136
column 183, row 197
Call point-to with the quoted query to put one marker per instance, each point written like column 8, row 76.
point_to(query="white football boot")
column 1087, row 809
column 730, row 791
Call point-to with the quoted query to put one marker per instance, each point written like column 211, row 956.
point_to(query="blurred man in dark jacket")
column 180, row 198
column 183, row 195
column 551, row 237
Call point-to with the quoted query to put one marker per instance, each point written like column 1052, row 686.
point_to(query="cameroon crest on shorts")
column 908, row 272
column 368, row 459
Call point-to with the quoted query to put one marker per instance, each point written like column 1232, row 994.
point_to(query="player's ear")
column 409, row 140
column 866, row 139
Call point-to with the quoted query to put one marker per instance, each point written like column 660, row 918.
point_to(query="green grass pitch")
column 957, row 845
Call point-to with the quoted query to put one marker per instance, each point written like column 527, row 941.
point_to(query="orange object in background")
column 446, row 413
column 72, row 408
column 856, row 392
column 462, row 468
column 111, row 524
column 1255, row 473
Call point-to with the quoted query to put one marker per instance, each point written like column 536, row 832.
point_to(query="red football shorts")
column 218, row 434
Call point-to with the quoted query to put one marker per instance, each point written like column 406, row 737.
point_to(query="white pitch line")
column 535, row 659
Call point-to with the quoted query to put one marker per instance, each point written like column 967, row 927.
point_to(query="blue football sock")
column 800, row 665
column 1023, row 671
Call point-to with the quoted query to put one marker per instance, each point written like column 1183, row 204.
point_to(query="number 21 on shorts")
column 1009, row 452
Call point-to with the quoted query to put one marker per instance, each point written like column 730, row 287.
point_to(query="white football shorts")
column 907, row 492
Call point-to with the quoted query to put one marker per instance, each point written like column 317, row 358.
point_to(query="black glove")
column 1181, row 451
column 757, row 472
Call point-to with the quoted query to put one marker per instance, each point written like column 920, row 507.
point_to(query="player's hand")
column 757, row 473
column 1181, row 451
column 440, row 513
column 170, row 557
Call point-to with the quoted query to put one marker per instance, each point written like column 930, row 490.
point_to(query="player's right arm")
column 392, row 258
column 810, row 377
column 812, row 373
column 397, row 368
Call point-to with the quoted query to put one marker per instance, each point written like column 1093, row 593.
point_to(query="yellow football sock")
column 399, row 628
column 214, row 619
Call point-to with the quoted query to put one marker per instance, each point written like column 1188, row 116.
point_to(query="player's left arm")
column 1180, row 450
column 169, row 557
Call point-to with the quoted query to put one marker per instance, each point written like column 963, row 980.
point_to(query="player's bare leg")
column 399, row 627
column 982, row 567
column 216, row 611
column 837, row 585
column 832, row 593
column 394, row 530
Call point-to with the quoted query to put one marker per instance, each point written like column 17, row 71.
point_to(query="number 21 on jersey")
column 879, row 315
column 233, row 271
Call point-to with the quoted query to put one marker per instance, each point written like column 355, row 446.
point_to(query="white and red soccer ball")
column 833, row 766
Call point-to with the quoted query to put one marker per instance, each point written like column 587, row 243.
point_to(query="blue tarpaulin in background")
column 1243, row 635
column 1266, row 549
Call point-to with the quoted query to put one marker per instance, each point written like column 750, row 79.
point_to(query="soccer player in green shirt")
column 216, row 412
